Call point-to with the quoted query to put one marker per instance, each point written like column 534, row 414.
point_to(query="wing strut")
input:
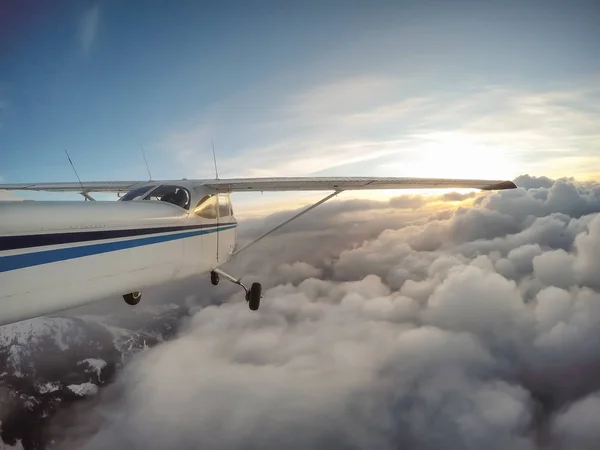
column 87, row 196
column 294, row 217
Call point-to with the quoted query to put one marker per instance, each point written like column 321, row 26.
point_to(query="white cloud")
column 88, row 28
column 578, row 426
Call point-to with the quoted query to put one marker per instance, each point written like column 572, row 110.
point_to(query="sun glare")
column 455, row 155
column 435, row 155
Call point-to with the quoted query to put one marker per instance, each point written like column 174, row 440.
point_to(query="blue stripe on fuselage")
column 21, row 242
column 14, row 262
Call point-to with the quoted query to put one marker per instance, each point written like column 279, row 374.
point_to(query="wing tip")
column 500, row 186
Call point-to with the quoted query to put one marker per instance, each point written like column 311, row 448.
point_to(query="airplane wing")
column 275, row 184
column 88, row 186
column 349, row 183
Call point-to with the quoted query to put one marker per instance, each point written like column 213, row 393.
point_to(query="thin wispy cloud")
column 341, row 122
column 88, row 28
column 383, row 126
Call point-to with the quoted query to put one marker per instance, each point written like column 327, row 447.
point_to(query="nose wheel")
column 133, row 298
column 253, row 295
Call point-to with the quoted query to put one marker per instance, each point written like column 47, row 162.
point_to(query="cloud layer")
column 381, row 327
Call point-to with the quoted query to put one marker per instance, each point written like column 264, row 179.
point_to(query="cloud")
column 88, row 28
column 341, row 122
column 458, row 197
column 578, row 426
column 471, row 328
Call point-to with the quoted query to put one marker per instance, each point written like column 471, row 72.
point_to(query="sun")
column 453, row 155
column 457, row 155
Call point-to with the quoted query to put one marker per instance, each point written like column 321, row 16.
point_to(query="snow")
column 34, row 330
column 21, row 338
column 83, row 389
column 95, row 364
column 29, row 405
column 48, row 387
column 14, row 360
column 28, row 401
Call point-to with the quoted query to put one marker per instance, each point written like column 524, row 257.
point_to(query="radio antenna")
column 217, row 176
column 215, row 159
column 146, row 161
column 76, row 174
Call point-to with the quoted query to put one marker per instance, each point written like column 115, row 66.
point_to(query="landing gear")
column 253, row 295
column 133, row 298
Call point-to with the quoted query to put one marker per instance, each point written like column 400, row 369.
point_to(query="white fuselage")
column 59, row 255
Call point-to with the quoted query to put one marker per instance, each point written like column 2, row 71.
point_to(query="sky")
column 383, row 324
column 452, row 89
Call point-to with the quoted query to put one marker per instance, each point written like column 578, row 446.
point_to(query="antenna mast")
column 215, row 159
column 217, row 175
column 146, row 161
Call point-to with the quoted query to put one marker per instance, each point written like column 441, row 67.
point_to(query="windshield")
column 136, row 194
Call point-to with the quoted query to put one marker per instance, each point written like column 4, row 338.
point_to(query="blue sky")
column 407, row 88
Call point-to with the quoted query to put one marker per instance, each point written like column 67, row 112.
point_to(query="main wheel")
column 254, row 296
column 133, row 298
column 214, row 278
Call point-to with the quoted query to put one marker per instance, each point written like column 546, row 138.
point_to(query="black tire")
column 133, row 298
column 214, row 278
column 254, row 296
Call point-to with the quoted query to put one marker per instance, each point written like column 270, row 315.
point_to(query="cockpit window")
column 136, row 194
column 167, row 193
column 171, row 194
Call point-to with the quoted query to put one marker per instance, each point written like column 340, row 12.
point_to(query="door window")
column 224, row 205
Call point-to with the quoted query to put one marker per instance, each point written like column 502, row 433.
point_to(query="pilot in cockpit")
column 179, row 198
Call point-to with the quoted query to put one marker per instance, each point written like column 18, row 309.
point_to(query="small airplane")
column 56, row 255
